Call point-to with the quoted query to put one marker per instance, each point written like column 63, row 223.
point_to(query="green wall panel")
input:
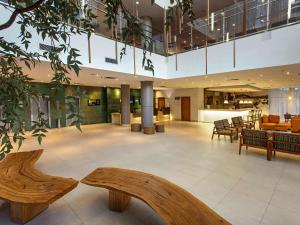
column 113, row 102
column 110, row 101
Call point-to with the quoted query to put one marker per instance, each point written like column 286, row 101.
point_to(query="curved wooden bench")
column 175, row 205
column 27, row 190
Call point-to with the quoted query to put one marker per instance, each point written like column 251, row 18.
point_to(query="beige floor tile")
column 238, row 187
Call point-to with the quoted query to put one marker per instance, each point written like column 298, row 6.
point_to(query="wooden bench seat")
column 27, row 190
column 174, row 205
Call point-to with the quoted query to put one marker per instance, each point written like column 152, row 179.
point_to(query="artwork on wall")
column 93, row 102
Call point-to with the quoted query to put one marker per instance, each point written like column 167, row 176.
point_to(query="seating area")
column 270, row 141
column 272, row 122
column 224, row 128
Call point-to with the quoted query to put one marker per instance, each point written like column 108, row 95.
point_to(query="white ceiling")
column 266, row 78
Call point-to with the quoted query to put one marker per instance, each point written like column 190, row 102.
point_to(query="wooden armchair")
column 240, row 123
column 222, row 127
column 254, row 138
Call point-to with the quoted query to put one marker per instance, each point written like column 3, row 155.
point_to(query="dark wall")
column 113, row 101
column 110, row 101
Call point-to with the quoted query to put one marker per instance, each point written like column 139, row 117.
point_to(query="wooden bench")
column 27, row 190
column 160, row 128
column 175, row 205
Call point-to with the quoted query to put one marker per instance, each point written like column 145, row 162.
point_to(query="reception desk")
column 211, row 115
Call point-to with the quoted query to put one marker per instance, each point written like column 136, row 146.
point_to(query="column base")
column 149, row 130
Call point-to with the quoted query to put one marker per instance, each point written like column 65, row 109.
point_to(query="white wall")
column 274, row 48
column 197, row 101
column 280, row 103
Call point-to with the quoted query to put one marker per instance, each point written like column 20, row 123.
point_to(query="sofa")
column 272, row 122
column 272, row 141
column 284, row 142
column 295, row 124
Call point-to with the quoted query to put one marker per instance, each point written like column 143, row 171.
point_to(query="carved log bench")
column 174, row 205
column 27, row 190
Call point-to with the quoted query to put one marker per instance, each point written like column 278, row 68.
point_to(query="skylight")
column 164, row 3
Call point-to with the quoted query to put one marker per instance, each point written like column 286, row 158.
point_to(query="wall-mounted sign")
column 177, row 98
column 93, row 102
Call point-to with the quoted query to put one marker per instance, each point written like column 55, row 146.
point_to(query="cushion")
column 255, row 138
column 274, row 119
column 268, row 125
column 265, row 119
column 287, row 142
column 283, row 125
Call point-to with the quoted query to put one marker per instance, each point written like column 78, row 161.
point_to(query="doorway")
column 186, row 108
column 161, row 103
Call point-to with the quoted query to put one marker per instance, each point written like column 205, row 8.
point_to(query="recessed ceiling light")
column 137, row 2
column 287, row 73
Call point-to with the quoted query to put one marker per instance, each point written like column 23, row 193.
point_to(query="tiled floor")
column 246, row 189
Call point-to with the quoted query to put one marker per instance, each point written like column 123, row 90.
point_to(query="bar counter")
column 211, row 115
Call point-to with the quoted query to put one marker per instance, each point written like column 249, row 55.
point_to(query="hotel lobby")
column 190, row 120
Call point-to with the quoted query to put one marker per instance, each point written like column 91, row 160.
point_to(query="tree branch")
column 15, row 13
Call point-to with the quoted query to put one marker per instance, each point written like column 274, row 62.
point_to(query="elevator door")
column 41, row 103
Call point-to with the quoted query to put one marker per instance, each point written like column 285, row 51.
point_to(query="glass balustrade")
column 235, row 21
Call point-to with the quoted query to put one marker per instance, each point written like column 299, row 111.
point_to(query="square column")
column 125, row 105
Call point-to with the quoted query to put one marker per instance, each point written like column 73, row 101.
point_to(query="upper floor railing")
column 245, row 17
